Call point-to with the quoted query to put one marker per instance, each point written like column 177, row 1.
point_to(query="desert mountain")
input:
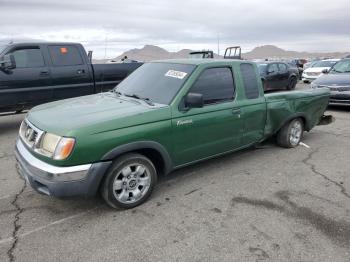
column 270, row 51
column 151, row 52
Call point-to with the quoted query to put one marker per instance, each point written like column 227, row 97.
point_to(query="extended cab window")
column 29, row 57
column 65, row 55
column 215, row 84
column 250, row 80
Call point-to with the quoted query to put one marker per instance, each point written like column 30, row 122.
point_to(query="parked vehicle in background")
column 337, row 79
column 34, row 73
column 233, row 52
column 164, row 116
column 201, row 54
column 278, row 75
column 316, row 69
column 310, row 64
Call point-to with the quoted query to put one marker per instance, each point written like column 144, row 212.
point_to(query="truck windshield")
column 156, row 82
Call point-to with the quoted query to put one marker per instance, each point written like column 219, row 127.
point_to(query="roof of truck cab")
column 199, row 61
column 41, row 43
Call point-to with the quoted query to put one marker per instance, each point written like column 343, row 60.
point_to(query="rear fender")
column 294, row 116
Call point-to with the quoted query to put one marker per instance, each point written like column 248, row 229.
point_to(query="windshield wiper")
column 147, row 100
column 334, row 70
column 116, row 92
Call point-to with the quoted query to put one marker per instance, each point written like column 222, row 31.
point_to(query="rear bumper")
column 83, row 180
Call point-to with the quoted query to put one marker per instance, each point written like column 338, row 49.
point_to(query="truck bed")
column 309, row 104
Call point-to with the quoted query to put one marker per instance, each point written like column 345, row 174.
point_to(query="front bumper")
column 82, row 180
column 339, row 98
column 307, row 78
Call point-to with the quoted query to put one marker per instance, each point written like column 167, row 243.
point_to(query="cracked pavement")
column 268, row 204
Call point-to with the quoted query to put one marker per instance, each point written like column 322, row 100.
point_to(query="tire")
column 264, row 85
column 129, row 182
column 291, row 133
column 292, row 83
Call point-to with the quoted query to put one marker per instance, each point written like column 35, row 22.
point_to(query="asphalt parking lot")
column 263, row 204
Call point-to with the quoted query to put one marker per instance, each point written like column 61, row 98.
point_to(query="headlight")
column 49, row 143
column 57, row 147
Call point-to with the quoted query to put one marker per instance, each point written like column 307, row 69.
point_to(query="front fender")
column 139, row 145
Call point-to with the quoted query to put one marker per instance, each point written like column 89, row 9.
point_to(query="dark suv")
column 278, row 75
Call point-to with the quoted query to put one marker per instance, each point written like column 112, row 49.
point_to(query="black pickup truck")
column 35, row 73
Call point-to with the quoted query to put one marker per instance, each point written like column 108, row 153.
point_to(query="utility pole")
column 218, row 44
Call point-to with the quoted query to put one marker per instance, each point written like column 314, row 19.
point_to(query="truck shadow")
column 10, row 124
column 339, row 108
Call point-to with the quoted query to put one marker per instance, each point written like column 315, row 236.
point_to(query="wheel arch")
column 302, row 116
column 150, row 149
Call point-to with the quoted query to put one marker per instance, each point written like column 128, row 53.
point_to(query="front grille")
column 30, row 134
column 339, row 88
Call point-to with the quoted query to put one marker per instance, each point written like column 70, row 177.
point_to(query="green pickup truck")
column 164, row 116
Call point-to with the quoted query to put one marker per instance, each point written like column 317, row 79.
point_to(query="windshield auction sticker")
column 176, row 74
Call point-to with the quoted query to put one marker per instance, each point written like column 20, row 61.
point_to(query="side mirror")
column 194, row 100
column 8, row 62
column 325, row 71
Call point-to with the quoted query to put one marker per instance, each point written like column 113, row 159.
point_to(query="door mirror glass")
column 325, row 71
column 8, row 62
column 194, row 100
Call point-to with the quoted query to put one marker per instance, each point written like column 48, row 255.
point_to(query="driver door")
column 28, row 83
column 199, row 133
column 272, row 78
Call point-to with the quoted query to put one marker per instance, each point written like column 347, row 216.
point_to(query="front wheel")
column 129, row 181
column 290, row 134
column 292, row 83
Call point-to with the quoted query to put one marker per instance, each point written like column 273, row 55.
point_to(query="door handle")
column 80, row 71
column 44, row 73
column 237, row 111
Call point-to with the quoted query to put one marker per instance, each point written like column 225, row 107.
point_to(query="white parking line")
column 305, row 145
column 10, row 239
column 4, row 197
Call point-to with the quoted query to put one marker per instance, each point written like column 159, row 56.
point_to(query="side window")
column 273, row 68
column 215, row 84
column 282, row 67
column 65, row 55
column 29, row 57
column 250, row 81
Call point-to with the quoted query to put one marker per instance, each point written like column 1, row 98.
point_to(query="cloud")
column 121, row 25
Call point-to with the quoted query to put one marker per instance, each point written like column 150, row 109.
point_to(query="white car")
column 313, row 72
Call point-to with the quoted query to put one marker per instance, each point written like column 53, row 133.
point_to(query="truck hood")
column 95, row 114
column 341, row 79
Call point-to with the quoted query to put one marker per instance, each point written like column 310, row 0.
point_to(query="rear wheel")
column 129, row 182
column 290, row 134
column 292, row 83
